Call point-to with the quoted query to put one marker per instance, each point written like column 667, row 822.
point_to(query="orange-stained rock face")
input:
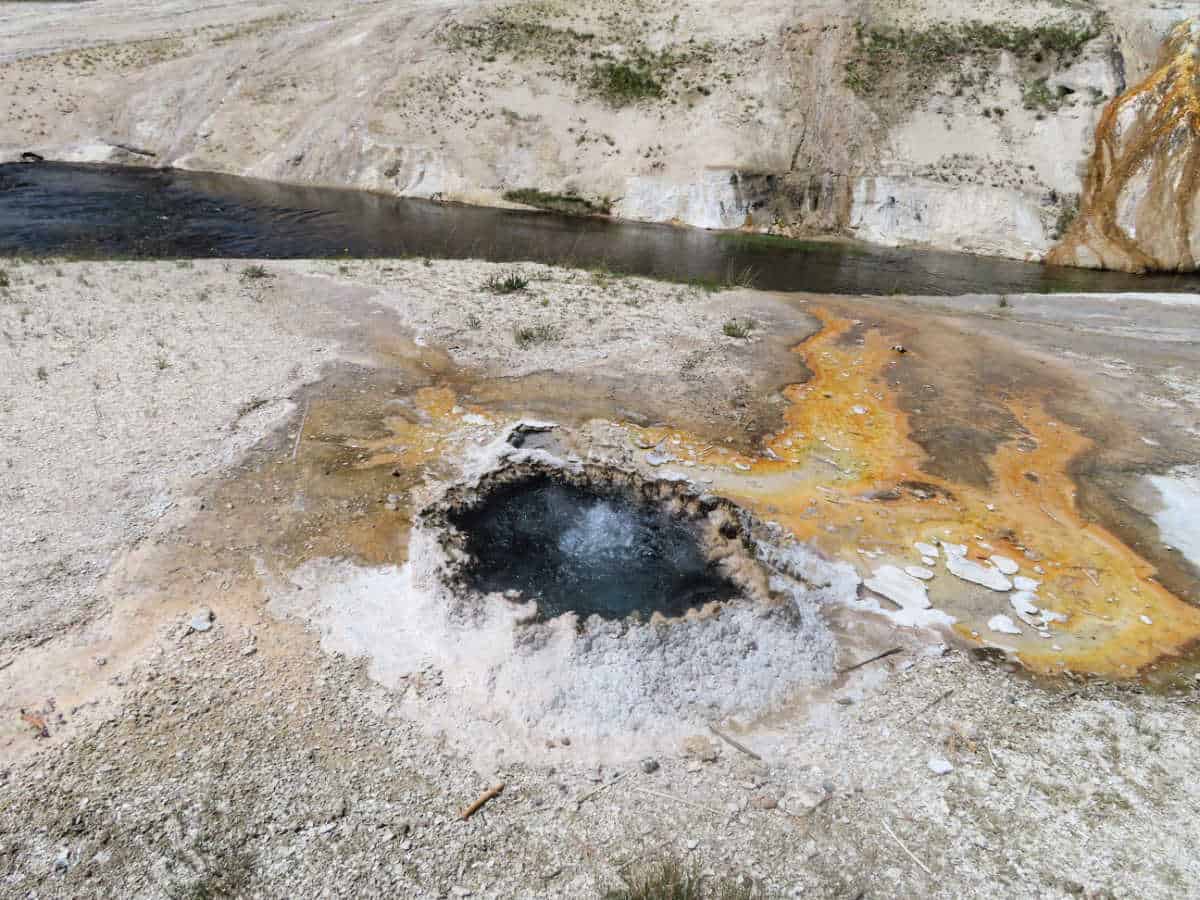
column 1140, row 209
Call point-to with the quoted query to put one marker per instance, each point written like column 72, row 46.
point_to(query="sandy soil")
column 187, row 437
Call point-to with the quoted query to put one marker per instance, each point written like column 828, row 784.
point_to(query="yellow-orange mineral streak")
column 1140, row 200
column 847, row 478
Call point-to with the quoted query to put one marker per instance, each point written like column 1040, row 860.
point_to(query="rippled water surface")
column 111, row 211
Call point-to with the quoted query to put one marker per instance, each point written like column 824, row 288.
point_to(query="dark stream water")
column 111, row 211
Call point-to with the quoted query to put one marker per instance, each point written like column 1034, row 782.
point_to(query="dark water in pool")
column 574, row 550
column 111, row 211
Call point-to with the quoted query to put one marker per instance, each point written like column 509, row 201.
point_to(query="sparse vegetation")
column 620, row 76
column 1066, row 217
column 1038, row 94
column 213, row 865
column 42, row 374
column 670, row 880
column 5, row 281
column 161, row 362
column 621, row 84
column 563, row 203
column 737, row 328
column 498, row 35
column 528, row 335
column 255, row 272
column 473, row 322
column 509, row 283
column 919, row 57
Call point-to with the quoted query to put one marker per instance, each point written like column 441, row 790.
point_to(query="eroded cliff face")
column 1141, row 206
column 947, row 125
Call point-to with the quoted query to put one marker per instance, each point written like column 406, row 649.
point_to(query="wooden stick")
column 876, row 658
column 734, row 744
column 300, row 432
column 708, row 809
column 483, row 798
column 900, row 843
column 604, row 787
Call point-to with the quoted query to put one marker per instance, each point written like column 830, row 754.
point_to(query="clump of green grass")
column 1038, row 95
column 42, row 374
column 509, row 283
column 568, row 204
column 5, row 281
column 473, row 322
column 669, row 880
column 737, row 328
column 622, row 84
column 528, row 335
column 255, row 272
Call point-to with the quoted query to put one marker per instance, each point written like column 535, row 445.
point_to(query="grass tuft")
column 737, row 328
column 255, row 273
column 567, row 204
column 528, row 335
column 509, row 283
column 669, row 880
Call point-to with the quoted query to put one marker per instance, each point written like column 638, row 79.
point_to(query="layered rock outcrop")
column 1141, row 203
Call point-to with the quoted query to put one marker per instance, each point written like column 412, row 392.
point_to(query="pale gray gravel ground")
column 246, row 760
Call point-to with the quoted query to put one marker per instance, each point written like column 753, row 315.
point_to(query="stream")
column 102, row 211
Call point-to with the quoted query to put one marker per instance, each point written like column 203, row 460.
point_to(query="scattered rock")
column 649, row 765
column 1005, row 565
column 1022, row 583
column 1022, row 603
column 1146, row 620
column 202, row 619
column 764, row 801
column 1003, row 625
column 903, row 590
column 939, row 766
column 969, row 570
column 919, row 572
column 926, row 550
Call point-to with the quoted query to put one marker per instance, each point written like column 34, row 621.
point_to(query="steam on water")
column 574, row 550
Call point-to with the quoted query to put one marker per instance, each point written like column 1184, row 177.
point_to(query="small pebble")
column 202, row 619
column 939, row 766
